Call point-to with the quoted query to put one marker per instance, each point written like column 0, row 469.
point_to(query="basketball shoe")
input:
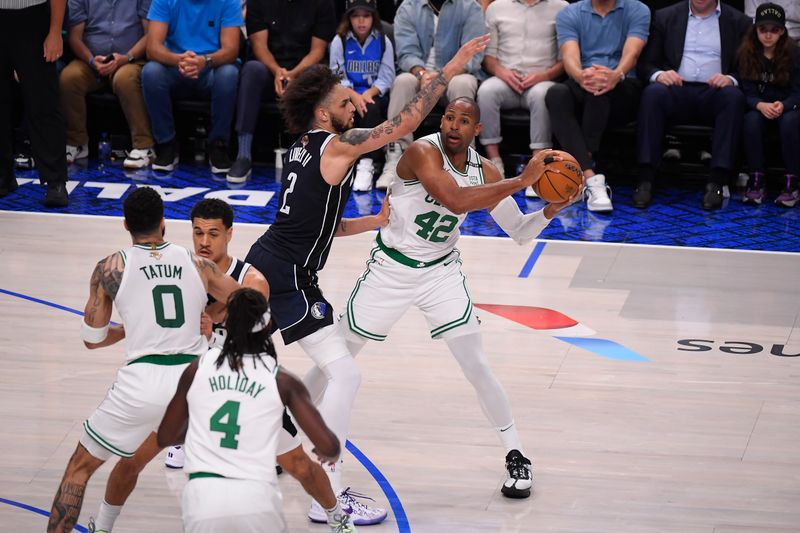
column 520, row 476
column 175, row 457
column 90, row 527
column 360, row 513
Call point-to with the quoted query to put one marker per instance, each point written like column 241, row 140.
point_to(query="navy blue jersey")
column 309, row 208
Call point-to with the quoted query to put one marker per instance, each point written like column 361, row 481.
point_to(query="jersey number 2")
column 285, row 208
column 160, row 292
column 230, row 428
column 440, row 233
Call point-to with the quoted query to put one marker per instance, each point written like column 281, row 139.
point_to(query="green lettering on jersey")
column 213, row 382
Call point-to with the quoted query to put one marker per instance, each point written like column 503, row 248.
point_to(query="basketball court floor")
column 657, row 388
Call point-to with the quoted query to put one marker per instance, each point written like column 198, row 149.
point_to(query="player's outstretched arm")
column 354, row 226
column 103, row 287
column 423, row 161
column 218, row 284
column 349, row 146
column 172, row 429
column 294, row 395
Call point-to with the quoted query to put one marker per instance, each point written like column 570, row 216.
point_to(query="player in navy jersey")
column 316, row 182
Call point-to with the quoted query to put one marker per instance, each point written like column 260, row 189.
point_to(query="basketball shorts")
column 132, row 409
column 288, row 437
column 298, row 306
column 387, row 288
column 221, row 505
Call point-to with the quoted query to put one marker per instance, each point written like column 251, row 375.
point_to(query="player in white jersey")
column 159, row 290
column 415, row 263
column 228, row 410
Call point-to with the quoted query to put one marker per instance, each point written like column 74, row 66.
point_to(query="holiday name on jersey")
column 219, row 383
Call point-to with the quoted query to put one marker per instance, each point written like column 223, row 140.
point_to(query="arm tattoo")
column 424, row 100
column 355, row 136
column 66, row 507
column 111, row 269
column 205, row 265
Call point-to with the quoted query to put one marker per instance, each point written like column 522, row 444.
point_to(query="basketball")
column 557, row 187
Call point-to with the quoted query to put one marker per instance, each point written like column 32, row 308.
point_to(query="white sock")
column 468, row 351
column 107, row 516
column 332, row 514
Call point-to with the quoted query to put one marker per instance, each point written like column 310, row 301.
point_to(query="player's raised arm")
column 103, row 287
column 295, row 396
column 358, row 141
column 172, row 429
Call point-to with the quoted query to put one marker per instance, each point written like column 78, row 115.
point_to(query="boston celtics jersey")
column 160, row 299
column 420, row 228
column 234, row 419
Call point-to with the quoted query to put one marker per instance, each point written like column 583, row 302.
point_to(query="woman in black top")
column 769, row 64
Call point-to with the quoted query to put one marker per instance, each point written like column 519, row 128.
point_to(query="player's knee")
column 81, row 465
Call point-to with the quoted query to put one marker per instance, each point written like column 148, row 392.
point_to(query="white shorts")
column 387, row 289
column 131, row 410
column 221, row 505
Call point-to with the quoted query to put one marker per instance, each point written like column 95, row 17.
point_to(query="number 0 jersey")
column 160, row 299
column 234, row 418
column 309, row 209
column 420, row 228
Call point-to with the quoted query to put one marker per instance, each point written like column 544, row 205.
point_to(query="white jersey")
column 420, row 228
column 160, row 299
column 234, row 419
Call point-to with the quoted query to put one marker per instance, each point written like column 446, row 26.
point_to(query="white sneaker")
column 597, row 194
column 498, row 163
column 77, row 152
column 672, row 153
column 175, row 457
column 364, row 173
column 139, row 158
column 705, row 155
column 360, row 513
column 393, row 153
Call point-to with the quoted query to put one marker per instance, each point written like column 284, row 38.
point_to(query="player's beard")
column 339, row 126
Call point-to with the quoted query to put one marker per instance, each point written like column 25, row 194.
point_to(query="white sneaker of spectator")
column 364, row 174
column 498, row 163
column 76, row 152
column 597, row 194
column 393, row 153
column 139, row 158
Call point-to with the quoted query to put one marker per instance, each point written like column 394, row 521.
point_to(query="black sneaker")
column 218, row 157
column 56, row 195
column 520, row 476
column 713, row 197
column 166, row 157
column 643, row 194
column 240, row 171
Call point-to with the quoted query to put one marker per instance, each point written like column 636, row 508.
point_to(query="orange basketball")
column 557, row 187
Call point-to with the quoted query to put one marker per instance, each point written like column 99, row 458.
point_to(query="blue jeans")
column 160, row 83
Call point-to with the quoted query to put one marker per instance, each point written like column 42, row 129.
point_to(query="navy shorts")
column 298, row 306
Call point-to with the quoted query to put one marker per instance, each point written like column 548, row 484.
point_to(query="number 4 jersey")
column 420, row 228
column 160, row 299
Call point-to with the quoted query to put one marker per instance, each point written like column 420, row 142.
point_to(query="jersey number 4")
column 229, row 411
column 285, row 207
column 430, row 230
column 161, row 296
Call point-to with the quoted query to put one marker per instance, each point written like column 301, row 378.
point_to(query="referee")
column 30, row 44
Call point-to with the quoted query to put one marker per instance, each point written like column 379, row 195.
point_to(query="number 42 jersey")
column 419, row 227
column 160, row 299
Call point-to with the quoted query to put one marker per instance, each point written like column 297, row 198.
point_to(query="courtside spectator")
column 600, row 42
column 192, row 46
column 790, row 7
column 108, row 40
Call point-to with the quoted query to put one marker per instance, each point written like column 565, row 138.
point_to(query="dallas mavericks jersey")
column 237, row 271
column 420, row 227
column 309, row 208
column 234, row 419
column 160, row 299
column 362, row 63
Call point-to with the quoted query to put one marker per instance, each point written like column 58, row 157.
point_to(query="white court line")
column 549, row 241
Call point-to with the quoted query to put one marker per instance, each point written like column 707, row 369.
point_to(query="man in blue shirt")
column 689, row 66
column 99, row 30
column 192, row 45
column 600, row 42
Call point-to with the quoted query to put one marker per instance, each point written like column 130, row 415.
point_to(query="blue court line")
column 36, row 510
column 528, row 266
column 386, row 487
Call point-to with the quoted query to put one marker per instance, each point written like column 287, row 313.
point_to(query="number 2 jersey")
column 160, row 299
column 234, row 418
column 420, row 228
column 309, row 209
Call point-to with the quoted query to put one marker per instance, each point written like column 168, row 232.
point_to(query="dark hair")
column 246, row 308
column 213, row 208
column 344, row 24
column 470, row 101
column 143, row 210
column 750, row 57
column 304, row 94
